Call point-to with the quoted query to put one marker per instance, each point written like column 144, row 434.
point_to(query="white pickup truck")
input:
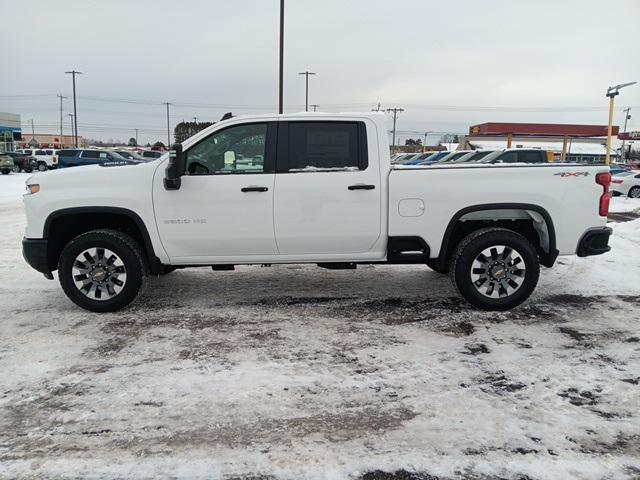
column 309, row 188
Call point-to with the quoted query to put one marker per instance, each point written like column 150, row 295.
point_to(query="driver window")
column 239, row 149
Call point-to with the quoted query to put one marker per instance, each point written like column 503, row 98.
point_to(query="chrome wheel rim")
column 635, row 192
column 42, row 167
column 498, row 271
column 99, row 274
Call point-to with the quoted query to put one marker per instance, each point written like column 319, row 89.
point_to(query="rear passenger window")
column 67, row 153
column 49, row 152
column 90, row 154
column 326, row 146
column 39, row 152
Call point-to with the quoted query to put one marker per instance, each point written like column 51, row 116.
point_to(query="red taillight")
column 604, row 179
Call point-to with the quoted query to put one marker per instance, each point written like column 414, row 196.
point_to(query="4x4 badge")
column 572, row 174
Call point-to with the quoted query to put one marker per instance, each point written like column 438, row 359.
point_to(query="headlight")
column 33, row 188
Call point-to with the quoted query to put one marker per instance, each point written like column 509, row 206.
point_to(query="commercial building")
column 10, row 131
column 48, row 140
column 568, row 142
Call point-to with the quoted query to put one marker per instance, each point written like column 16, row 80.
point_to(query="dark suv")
column 79, row 157
column 23, row 161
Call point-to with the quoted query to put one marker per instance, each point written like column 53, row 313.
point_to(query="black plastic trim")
column 546, row 258
column 154, row 262
column 397, row 245
column 34, row 251
column 594, row 241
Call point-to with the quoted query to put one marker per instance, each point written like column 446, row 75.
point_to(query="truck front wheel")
column 495, row 268
column 102, row 270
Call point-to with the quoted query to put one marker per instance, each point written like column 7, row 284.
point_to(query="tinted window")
column 508, row 157
column 67, row 153
column 325, row 146
column 531, row 157
column 39, row 152
column 237, row 149
column 28, row 152
column 90, row 154
column 49, row 152
column 125, row 154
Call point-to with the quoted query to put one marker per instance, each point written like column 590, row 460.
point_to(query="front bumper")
column 594, row 242
column 34, row 251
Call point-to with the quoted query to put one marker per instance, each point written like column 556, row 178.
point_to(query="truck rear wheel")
column 102, row 270
column 495, row 268
column 42, row 167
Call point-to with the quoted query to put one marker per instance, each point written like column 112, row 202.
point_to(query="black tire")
column 128, row 253
column 435, row 265
column 28, row 170
column 471, row 248
column 6, row 171
column 42, row 167
column 634, row 192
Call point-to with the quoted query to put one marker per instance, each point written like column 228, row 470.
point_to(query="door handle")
column 254, row 189
column 361, row 186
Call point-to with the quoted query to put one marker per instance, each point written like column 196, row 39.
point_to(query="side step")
column 223, row 268
column 338, row 265
column 407, row 250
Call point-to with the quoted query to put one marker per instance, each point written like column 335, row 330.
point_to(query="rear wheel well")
column 533, row 225
column 64, row 228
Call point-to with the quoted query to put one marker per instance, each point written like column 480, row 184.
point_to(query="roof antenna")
column 227, row 116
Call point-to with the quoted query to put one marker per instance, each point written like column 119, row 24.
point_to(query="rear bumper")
column 594, row 242
column 34, row 251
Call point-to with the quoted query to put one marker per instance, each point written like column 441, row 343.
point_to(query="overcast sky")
column 449, row 63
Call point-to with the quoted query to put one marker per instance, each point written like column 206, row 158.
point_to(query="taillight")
column 614, row 180
column 55, row 159
column 604, row 179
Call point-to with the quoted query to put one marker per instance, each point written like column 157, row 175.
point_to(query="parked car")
column 24, row 162
column 434, row 157
column 615, row 168
column 47, row 158
column 403, row 158
column 418, row 158
column 322, row 192
column 80, row 157
column 6, row 164
column 130, row 155
column 151, row 154
column 453, row 156
column 517, row 155
column 474, row 156
column 626, row 183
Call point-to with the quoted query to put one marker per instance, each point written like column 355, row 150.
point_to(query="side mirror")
column 175, row 169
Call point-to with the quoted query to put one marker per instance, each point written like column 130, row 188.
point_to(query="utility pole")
column 168, row 129
column 70, row 115
column 395, row 111
column 136, row 137
column 61, row 135
column 75, row 112
column 281, row 82
column 624, row 130
column 315, row 106
column 306, row 97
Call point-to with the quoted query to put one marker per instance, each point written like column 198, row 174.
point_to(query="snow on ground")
column 298, row 372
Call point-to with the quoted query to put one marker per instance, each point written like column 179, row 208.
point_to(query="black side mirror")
column 175, row 169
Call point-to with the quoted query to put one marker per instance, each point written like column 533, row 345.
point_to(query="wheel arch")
column 63, row 225
column 542, row 226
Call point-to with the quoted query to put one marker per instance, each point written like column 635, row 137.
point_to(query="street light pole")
column 611, row 93
column 61, row 135
column 168, row 128
column 306, row 97
column 281, row 73
column 624, row 130
column 75, row 112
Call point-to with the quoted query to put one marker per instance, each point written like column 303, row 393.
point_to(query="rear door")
column 327, row 193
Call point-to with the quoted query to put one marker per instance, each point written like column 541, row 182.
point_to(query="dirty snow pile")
column 296, row 372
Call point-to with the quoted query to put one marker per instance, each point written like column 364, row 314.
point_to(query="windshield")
column 492, row 156
column 124, row 154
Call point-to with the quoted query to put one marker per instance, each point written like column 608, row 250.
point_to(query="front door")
column 224, row 207
column 327, row 195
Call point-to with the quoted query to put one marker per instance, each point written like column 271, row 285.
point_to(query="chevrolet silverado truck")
column 309, row 188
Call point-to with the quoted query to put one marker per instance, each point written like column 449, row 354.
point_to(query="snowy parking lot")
column 297, row 372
